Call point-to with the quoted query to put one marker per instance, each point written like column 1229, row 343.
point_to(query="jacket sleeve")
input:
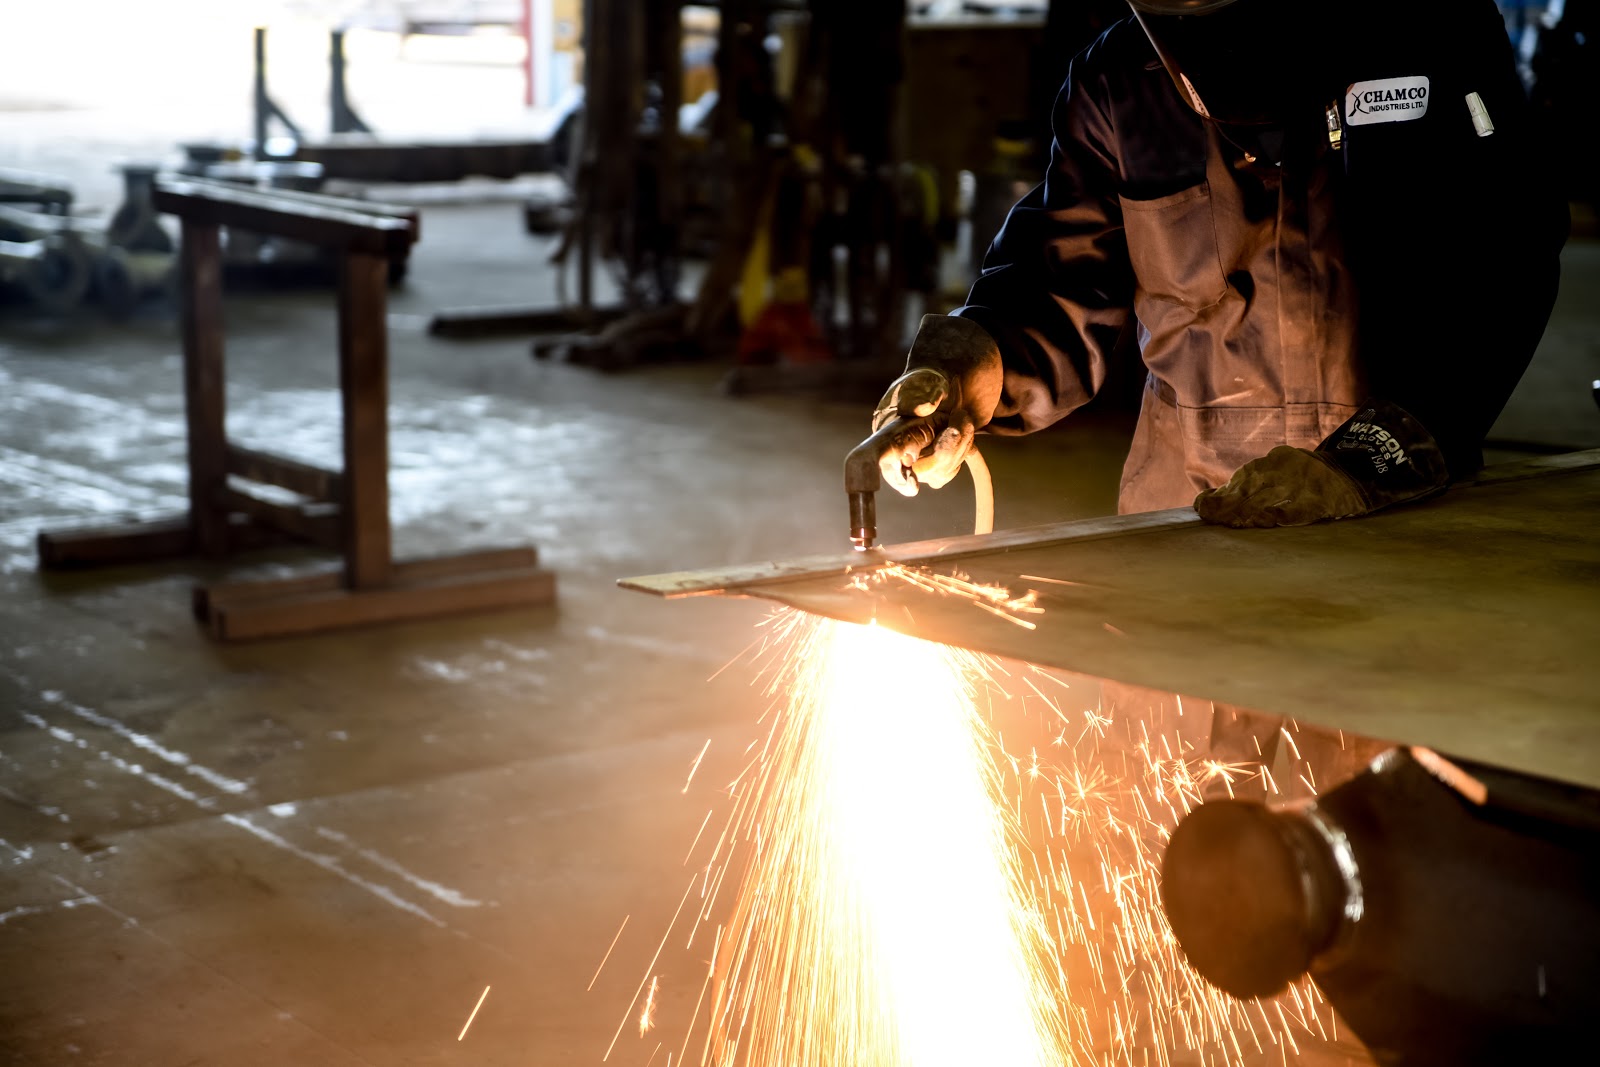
column 1056, row 288
column 1463, row 248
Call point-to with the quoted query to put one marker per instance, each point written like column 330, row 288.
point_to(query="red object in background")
column 784, row 332
column 527, row 62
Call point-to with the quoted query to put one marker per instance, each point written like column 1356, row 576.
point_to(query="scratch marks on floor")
column 208, row 791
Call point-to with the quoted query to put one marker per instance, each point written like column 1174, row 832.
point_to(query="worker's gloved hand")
column 1380, row 457
column 951, row 386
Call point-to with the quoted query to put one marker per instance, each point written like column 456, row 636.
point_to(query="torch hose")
column 982, row 492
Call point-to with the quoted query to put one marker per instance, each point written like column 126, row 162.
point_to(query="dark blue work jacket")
column 1381, row 243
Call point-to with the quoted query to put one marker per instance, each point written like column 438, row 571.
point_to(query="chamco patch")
column 1386, row 100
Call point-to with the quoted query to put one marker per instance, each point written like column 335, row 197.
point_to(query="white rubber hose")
column 982, row 493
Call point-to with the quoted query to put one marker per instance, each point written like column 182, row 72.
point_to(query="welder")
column 1328, row 227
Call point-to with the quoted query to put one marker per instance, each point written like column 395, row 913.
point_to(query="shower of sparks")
column 883, row 917
column 481, row 998
column 894, row 889
column 651, row 967
column 647, row 1016
column 996, row 600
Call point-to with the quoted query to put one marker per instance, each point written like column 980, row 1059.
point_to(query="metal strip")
column 731, row 580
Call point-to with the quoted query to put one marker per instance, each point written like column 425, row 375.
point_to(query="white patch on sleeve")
column 1481, row 122
column 1386, row 100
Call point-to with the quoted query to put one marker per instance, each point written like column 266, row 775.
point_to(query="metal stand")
column 366, row 159
column 627, row 202
column 343, row 118
column 266, row 108
column 345, row 511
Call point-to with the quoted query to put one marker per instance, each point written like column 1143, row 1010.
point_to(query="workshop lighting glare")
column 893, row 888
column 885, row 919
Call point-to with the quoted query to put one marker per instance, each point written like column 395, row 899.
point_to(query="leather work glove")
column 1381, row 456
column 952, row 383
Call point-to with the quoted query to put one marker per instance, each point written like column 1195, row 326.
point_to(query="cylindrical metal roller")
column 1253, row 895
column 63, row 273
column 54, row 272
column 1445, row 909
column 123, row 279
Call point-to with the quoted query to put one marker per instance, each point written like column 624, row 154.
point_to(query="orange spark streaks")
column 1059, row 581
column 607, row 956
column 696, row 766
column 687, row 890
column 647, row 1016
column 1287, row 736
column 904, row 891
column 468, row 1024
column 996, row 600
column 697, row 835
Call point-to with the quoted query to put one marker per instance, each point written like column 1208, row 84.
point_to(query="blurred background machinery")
column 57, row 260
column 781, row 184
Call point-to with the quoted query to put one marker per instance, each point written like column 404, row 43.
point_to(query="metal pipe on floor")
column 53, row 272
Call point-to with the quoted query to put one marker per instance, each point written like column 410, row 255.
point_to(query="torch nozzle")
column 905, row 439
column 863, row 474
column 863, row 519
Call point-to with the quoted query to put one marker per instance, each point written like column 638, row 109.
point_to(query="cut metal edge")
column 730, row 580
